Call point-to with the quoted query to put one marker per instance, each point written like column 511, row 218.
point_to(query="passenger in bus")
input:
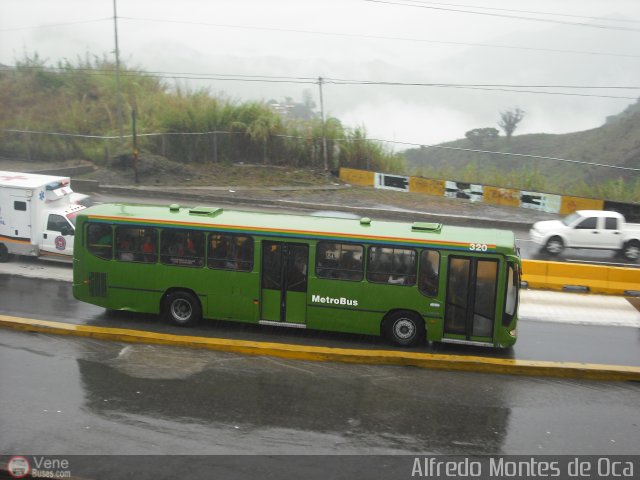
column 148, row 249
column 99, row 241
column 125, row 249
column 189, row 247
column 397, row 280
column 428, row 280
column 350, row 267
column 221, row 253
column 105, row 240
column 379, row 266
column 244, row 255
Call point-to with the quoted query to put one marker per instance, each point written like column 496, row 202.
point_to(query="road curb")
column 312, row 353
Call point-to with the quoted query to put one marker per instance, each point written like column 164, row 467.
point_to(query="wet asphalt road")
column 77, row 396
column 536, row 340
column 67, row 395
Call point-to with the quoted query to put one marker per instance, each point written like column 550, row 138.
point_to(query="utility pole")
column 324, row 130
column 118, row 95
column 136, row 152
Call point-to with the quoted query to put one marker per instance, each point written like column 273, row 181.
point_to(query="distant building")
column 283, row 109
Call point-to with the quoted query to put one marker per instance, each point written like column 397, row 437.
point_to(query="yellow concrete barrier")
column 625, row 279
column 305, row 352
column 427, row 186
column 357, row 177
column 571, row 204
column 594, row 278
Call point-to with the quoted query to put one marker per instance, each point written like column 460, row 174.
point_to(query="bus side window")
column 340, row 261
column 100, row 240
column 429, row 272
column 182, row 247
column 243, row 253
column 392, row 265
column 136, row 244
column 230, row 252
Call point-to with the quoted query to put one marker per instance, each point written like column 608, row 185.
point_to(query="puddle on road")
column 149, row 361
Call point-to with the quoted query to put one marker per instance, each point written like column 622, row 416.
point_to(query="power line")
column 235, row 76
column 513, row 17
column 54, row 25
column 421, row 145
column 382, row 37
column 524, row 155
column 345, row 35
column 488, row 89
column 535, row 12
column 328, row 80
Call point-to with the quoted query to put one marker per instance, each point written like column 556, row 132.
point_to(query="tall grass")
column 197, row 127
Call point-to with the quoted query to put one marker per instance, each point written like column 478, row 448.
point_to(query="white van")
column 37, row 216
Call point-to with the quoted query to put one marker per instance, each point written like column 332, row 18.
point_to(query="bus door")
column 285, row 269
column 471, row 299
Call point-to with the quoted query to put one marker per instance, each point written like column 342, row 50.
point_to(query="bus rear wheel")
column 182, row 308
column 404, row 329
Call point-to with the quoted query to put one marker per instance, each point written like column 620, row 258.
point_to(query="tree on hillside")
column 509, row 121
column 480, row 137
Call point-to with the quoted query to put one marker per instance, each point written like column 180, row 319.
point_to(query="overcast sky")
column 403, row 41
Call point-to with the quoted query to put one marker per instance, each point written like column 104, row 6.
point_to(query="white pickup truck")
column 595, row 229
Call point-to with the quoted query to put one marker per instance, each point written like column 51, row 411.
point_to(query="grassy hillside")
column 80, row 99
column 617, row 142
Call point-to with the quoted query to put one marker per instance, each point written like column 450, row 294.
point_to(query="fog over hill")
column 615, row 143
column 353, row 39
column 426, row 115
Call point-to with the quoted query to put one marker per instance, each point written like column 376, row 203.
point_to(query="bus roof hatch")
column 208, row 211
column 426, row 227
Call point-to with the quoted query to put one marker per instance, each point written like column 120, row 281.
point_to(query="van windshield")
column 72, row 218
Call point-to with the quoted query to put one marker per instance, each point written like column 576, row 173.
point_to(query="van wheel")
column 554, row 245
column 183, row 308
column 4, row 253
column 404, row 328
column 631, row 250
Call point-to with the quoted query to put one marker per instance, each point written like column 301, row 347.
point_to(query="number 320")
column 478, row 247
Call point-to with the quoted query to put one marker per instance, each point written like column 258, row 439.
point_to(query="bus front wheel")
column 183, row 308
column 404, row 328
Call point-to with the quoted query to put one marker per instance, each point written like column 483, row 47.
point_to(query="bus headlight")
column 514, row 333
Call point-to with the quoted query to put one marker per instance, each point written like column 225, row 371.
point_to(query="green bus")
column 407, row 282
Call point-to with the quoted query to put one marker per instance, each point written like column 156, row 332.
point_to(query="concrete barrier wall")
column 66, row 171
column 581, row 277
column 85, row 186
column 357, row 177
column 546, row 202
